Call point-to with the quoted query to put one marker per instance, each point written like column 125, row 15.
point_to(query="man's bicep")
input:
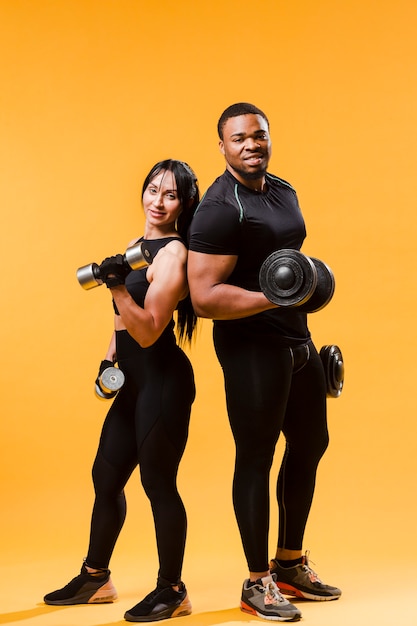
column 207, row 274
column 211, row 269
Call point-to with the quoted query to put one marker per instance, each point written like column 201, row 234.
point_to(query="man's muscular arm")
column 212, row 297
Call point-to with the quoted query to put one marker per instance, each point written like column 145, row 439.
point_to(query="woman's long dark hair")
column 189, row 197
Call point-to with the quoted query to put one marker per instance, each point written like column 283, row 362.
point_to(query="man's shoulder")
column 220, row 185
column 276, row 180
column 219, row 193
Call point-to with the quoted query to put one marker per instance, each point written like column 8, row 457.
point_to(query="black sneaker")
column 85, row 589
column 301, row 581
column 263, row 599
column 161, row 603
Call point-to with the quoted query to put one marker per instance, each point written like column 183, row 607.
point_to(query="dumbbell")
column 334, row 369
column 89, row 275
column 109, row 382
column 289, row 278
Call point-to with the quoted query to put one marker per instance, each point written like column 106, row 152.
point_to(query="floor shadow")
column 209, row 618
column 223, row 617
column 18, row 616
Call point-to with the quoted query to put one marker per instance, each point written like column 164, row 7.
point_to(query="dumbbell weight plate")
column 89, row 276
column 334, row 369
column 101, row 395
column 288, row 277
column 134, row 257
column 324, row 290
column 112, row 379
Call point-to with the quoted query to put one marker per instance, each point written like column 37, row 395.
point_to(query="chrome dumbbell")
column 89, row 275
column 109, row 380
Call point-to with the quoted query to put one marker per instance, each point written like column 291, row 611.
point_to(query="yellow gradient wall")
column 93, row 93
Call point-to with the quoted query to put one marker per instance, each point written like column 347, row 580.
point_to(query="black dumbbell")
column 109, row 381
column 324, row 289
column 334, row 369
column 289, row 278
column 89, row 275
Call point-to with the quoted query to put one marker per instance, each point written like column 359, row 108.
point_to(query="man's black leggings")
column 269, row 389
column 147, row 425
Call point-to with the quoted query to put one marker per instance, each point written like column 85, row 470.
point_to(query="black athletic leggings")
column 269, row 389
column 147, row 425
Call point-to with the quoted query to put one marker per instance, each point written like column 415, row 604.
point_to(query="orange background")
column 93, row 92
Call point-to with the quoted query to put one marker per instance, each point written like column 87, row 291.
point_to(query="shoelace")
column 314, row 578
column 273, row 594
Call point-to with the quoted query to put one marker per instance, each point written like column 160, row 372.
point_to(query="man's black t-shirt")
column 233, row 219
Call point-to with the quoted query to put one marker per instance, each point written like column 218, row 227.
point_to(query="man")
column 274, row 379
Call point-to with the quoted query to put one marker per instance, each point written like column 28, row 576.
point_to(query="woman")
column 147, row 424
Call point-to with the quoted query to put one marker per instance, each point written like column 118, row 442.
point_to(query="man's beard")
column 257, row 175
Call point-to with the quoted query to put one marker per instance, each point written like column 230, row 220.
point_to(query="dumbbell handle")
column 89, row 275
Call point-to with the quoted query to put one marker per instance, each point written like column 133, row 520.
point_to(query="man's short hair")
column 234, row 110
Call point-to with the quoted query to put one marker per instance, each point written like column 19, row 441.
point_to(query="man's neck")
column 257, row 184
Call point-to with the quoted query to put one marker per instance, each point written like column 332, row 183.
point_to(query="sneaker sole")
column 246, row 608
column 75, row 601
column 183, row 609
column 289, row 590
column 101, row 596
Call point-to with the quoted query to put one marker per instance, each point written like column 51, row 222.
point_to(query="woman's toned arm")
column 168, row 285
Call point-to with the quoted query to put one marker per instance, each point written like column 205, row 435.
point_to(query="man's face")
column 247, row 147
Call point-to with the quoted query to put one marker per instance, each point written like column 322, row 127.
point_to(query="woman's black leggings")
column 269, row 389
column 147, row 425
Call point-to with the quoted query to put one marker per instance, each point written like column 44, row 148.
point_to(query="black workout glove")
column 103, row 366
column 113, row 271
column 99, row 391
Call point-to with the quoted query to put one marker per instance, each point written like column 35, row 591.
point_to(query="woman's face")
column 160, row 200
